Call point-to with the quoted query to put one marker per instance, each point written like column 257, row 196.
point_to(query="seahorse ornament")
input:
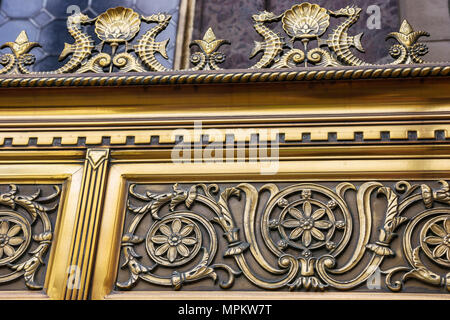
column 272, row 45
column 81, row 49
column 147, row 46
column 340, row 42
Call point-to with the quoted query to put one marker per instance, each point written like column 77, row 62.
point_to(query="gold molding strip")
column 291, row 134
column 261, row 296
column 237, row 76
column 86, row 227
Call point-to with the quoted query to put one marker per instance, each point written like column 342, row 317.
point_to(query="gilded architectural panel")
column 27, row 231
column 305, row 35
column 361, row 236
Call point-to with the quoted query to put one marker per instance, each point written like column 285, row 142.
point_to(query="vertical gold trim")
column 110, row 235
column 86, row 226
column 59, row 255
column 69, row 174
column 184, row 34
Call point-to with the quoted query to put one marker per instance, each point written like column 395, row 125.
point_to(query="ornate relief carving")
column 408, row 51
column 16, row 62
column 25, row 234
column 304, row 236
column 208, row 58
column 309, row 23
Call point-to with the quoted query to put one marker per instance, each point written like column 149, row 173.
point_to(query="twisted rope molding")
column 209, row 77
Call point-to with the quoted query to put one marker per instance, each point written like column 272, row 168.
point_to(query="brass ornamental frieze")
column 119, row 49
column 363, row 236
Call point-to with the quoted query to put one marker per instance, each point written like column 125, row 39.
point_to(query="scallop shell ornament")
column 305, row 21
column 117, row 25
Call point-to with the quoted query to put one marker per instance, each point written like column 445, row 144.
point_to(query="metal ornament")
column 306, row 227
column 119, row 27
column 16, row 234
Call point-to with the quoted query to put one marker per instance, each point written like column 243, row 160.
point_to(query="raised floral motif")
column 307, row 228
column 306, row 224
column 9, row 238
column 175, row 241
column 441, row 239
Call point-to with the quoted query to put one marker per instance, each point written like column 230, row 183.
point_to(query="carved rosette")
column 435, row 239
column 174, row 241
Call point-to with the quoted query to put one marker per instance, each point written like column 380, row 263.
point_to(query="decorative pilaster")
column 89, row 209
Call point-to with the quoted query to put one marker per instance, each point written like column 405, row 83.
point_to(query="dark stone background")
column 231, row 20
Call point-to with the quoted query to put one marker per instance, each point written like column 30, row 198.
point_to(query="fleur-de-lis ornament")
column 15, row 63
column 209, row 57
column 409, row 50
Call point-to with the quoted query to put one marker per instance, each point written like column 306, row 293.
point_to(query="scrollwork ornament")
column 291, row 59
column 174, row 240
column 305, row 227
column 322, row 58
column 432, row 242
column 127, row 63
column 16, row 234
column 96, row 64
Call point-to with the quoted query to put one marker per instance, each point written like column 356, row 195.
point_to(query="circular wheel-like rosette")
column 174, row 241
column 435, row 239
column 305, row 21
column 117, row 25
column 15, row 236
column 307, row 224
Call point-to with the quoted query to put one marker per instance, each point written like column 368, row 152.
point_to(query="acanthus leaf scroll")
column 307, row 228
